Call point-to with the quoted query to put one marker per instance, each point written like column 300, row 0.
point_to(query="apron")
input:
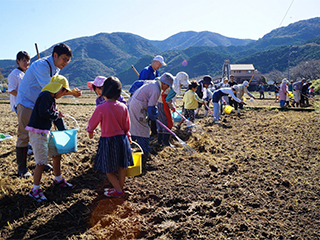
column 167, row 110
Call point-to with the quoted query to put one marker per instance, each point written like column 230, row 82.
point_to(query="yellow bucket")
column 228, row 109
column 244, row 99
column 136, row 169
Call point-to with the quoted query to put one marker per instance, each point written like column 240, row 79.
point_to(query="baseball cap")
column 159, row 59
column 56, row 83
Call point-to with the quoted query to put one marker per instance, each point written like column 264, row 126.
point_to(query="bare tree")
column 275, row 76
column 308, row 69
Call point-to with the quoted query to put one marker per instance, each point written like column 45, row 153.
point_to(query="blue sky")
column 26, row 22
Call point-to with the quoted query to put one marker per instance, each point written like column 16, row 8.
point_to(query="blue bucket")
column 175, row 116
column 65, row 141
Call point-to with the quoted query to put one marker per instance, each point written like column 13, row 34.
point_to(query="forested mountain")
column 113, row 54
column 188, row 39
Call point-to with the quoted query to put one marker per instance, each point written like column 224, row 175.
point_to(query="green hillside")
column 277, row 58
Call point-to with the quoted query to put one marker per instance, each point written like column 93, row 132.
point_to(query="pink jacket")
column 283, row 91
column 113, row 117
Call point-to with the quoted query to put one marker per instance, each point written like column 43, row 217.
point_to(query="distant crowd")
column 298, row 93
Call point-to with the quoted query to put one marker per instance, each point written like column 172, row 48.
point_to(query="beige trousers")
column 24, row 115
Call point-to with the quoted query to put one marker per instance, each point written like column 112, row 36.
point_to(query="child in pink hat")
column 97, row 86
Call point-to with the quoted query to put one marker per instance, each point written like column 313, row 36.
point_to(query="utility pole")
column 226, row 69
column 290, row 52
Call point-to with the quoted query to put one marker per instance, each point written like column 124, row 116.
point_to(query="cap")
column 167, row 78
column 98, row 82
column 159, row 59
column 245, row 83
column 207, row 80
column 56, row 83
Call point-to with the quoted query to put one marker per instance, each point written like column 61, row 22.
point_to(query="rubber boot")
column 287, row 104
column 22, row 161
column 144, row 163
column 160, row 138
column 166, row 140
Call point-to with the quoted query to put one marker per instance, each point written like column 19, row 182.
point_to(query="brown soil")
column 255, row 176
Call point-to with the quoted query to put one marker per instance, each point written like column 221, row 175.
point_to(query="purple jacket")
column 101, row 100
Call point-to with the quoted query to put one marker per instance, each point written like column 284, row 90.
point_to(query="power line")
column 281, row 23
column 286, row 13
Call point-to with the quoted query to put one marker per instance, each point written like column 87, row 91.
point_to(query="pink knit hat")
column 98, row 82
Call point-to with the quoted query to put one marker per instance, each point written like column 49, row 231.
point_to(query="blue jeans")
column 282, row 103
column 216, row 111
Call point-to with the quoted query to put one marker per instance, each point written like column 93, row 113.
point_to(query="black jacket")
column 45, row 113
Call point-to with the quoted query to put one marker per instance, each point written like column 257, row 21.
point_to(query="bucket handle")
column 67, row 115
column 137, row 145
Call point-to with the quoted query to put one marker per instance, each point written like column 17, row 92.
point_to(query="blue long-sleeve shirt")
column 36, row 77
column 148, row 73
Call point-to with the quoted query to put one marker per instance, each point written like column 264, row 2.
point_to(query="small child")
column 114, row 152
column 43, row 114
column 202, row 92
column 14, row 78
column 96, row 86
column 311, row 92
column 190, row 102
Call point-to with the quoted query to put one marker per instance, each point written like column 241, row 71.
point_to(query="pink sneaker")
column 114, row 193
column 63, row 184
column 37, row 195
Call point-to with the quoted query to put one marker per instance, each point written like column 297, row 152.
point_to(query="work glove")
column 152, row 112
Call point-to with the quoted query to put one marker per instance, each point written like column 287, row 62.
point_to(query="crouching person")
column 143, row 105
column 217, row 96
column 43, row 115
